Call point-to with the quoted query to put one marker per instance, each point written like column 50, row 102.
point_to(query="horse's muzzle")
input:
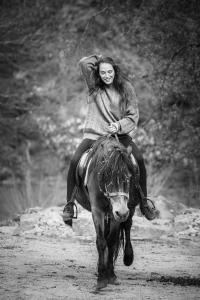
column 120, row 208
column 121, row 216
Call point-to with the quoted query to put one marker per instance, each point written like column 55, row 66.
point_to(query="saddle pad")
column 134, row 161
column 136, row 166
column 83, row 161
column 86, row 173
column 83, row 166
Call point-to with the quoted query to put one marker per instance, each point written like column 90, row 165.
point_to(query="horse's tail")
column 118, row 237
column 124, row 243
column 114, row 234
column 120, row 241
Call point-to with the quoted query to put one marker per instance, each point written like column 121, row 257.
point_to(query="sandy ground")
column 51, row 266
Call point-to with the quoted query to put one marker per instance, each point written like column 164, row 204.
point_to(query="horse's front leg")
column 112, row 242
column 128, row 250
column 102, row 248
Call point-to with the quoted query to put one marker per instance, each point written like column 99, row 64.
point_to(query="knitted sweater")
column 104, row 106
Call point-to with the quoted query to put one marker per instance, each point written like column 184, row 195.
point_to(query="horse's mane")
column 111, row 162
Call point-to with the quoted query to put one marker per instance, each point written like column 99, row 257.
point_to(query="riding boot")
column 147, row 206
column 68, row 211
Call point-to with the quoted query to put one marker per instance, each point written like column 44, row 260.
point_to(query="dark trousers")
column 86, row 144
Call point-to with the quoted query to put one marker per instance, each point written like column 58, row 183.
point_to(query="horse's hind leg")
column 112, row 278
column 128, row 250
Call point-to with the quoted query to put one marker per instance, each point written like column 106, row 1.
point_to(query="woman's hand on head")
column 113, row 127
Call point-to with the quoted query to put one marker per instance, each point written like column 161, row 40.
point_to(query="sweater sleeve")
column 87, row 65
column 129, row 122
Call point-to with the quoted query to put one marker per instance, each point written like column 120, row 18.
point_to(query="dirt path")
column 34, row 267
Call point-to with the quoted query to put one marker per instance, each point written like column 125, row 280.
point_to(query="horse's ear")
column 129, row 150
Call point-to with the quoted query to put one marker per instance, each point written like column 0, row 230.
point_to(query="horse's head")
column 119, row 204
column 114, row 169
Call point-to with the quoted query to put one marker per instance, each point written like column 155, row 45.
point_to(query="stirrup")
column 75, row 216
column 75, row 212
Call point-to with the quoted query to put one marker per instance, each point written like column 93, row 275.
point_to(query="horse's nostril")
column 120, row 215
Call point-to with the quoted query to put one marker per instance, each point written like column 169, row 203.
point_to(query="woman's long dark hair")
column 119, row 81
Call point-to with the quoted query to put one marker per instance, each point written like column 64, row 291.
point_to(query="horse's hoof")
column 101, row 284
column 128, row 256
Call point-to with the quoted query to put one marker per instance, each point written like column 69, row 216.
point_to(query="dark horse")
column 111, row 196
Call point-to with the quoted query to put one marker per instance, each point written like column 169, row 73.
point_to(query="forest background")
column 43, row 99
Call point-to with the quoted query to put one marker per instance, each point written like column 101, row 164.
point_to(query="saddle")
column 83, row 167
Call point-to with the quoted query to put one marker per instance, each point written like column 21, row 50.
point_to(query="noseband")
column 110, row 195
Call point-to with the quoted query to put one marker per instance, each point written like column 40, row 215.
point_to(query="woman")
column 112, row 109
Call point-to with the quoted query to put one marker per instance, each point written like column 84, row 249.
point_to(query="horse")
column 111, row 195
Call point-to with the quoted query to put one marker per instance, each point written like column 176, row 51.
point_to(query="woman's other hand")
column 113, row 127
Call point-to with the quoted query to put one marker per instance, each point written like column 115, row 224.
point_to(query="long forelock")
column 111, row 162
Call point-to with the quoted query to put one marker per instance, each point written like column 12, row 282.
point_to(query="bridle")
column 110, row 195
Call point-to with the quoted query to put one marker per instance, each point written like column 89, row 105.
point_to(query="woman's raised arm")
column 88, row 65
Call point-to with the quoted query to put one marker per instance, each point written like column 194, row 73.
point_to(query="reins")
column 116, row 137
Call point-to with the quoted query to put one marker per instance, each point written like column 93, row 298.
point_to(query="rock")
column 188, row 223
column 28, row 221
column 84, row 225
column 8, row 230
column 33, row 210
column 168, row 209
column 144, row 229
column 47, row 222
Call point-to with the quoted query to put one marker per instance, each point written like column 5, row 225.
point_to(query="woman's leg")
column 146, row 205
column 68, row 211
column 127, row 141
column 143, row 174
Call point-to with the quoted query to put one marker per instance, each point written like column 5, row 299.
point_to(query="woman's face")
column 107, row 73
